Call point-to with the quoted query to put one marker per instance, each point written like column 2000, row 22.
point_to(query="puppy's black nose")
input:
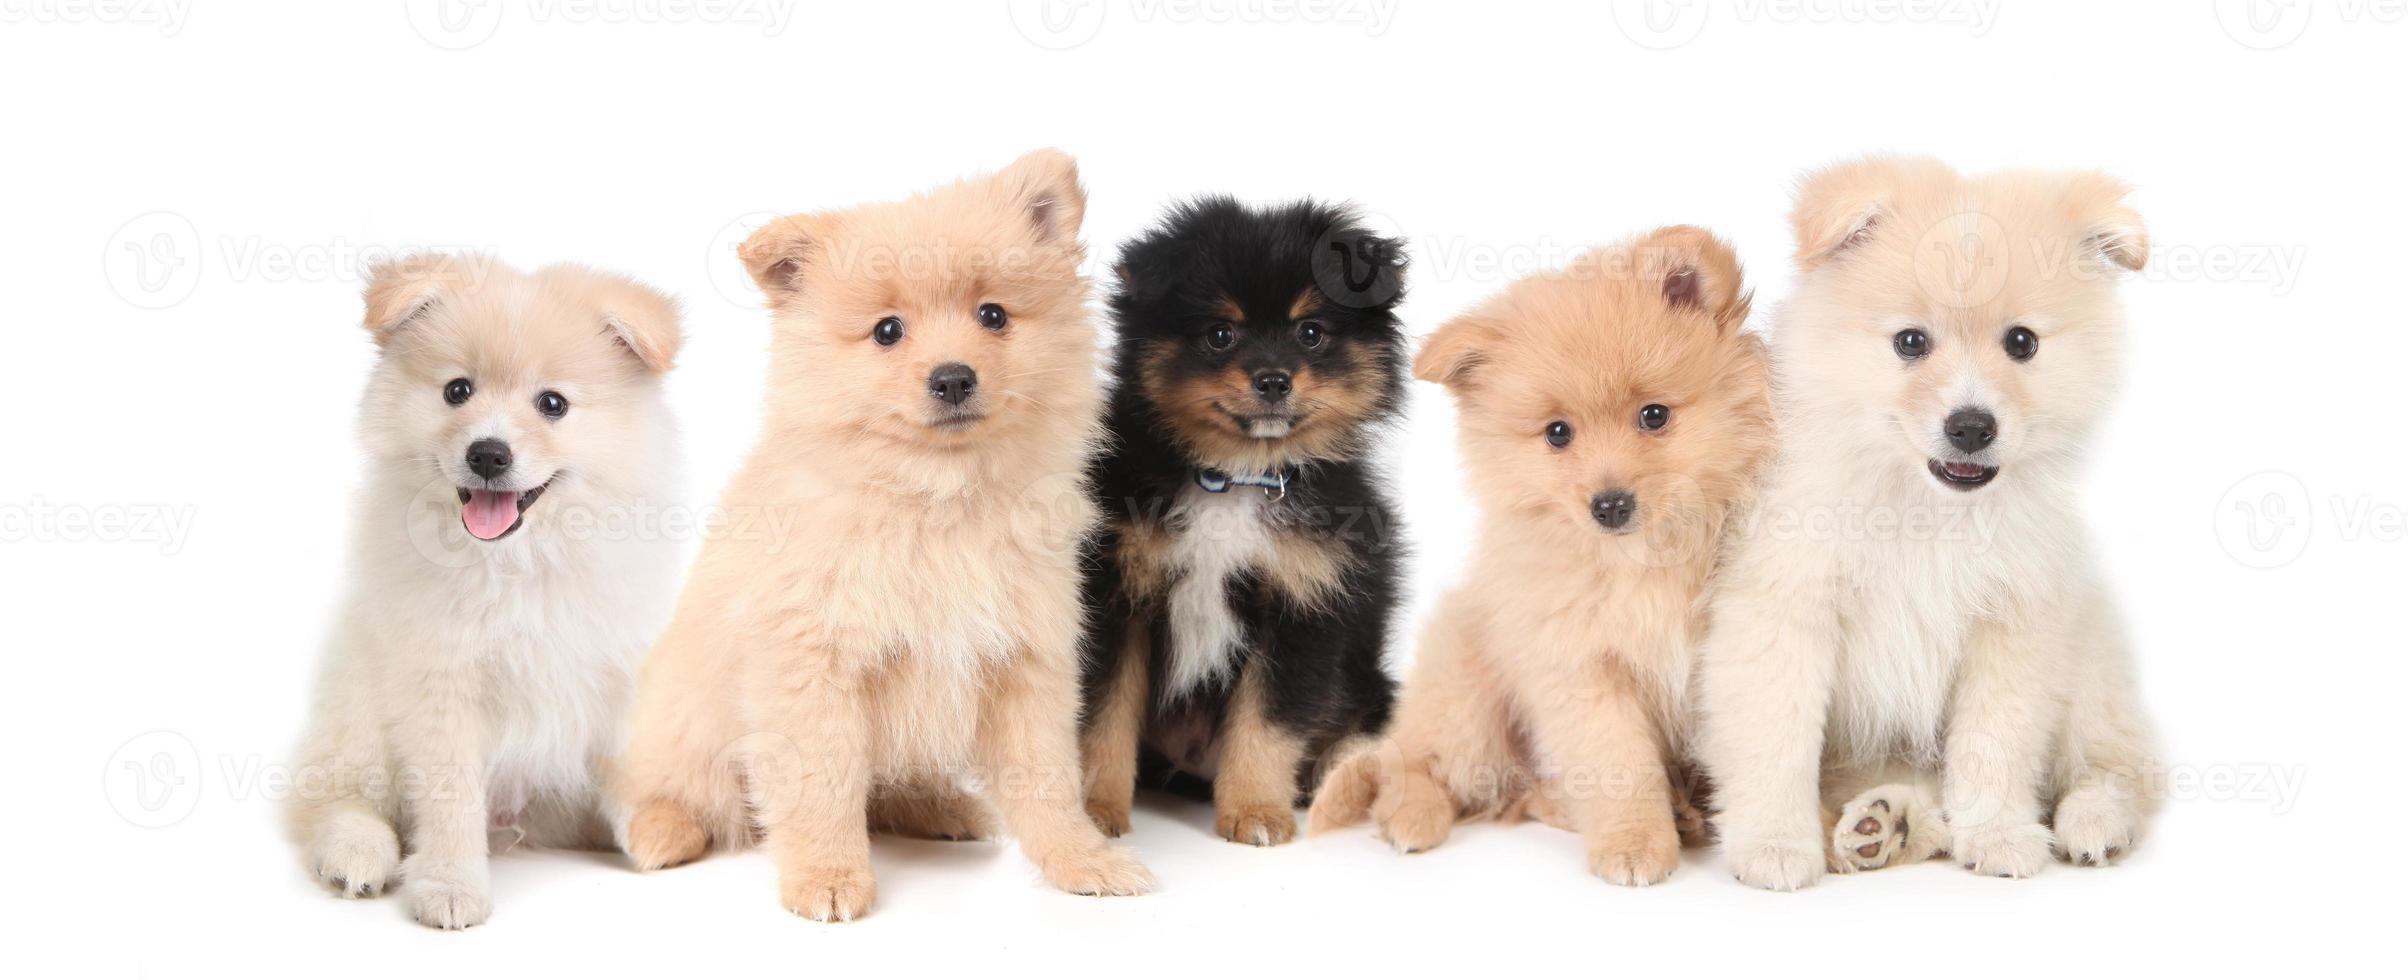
column 489, row 458
column 1614, row 508
column 1970, row 429
column 952, row 383
column 1272, row 386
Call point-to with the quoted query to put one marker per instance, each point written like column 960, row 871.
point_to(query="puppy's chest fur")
column 547, row 633
column 1202, row 562
column 1908, row 608
column 1548, row 616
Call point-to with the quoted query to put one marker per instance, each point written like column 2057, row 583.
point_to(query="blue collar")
column 1274, row 484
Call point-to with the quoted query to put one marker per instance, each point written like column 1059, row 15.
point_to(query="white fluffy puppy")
column 1911, row 653
column 503, row 584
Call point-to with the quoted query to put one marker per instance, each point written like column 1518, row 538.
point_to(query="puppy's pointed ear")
column 1044, row 184
column 403, row 290
column 2109, row 229
column 777, row 253
column 1842, row 206
column 1697, row 271
column 1453, row 354
column 642, row 320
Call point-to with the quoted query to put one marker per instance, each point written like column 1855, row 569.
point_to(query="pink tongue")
column 489, row 513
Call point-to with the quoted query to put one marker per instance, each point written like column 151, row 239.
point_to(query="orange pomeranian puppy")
column 1612, row 417
column 914, row 629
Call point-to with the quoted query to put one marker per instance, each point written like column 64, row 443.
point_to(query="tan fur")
column 1308, row 302
column 1111, row 744
column 1254, row 793
column 916, row 622
column 1562, row 661
column 1306, row 568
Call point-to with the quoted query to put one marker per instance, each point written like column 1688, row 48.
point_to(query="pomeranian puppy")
column 1611, row 417
column 485, row 660
column 1243, row 583
column 934, row 401
column 1943, row 671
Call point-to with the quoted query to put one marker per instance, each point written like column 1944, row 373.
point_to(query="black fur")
column 1321, row 663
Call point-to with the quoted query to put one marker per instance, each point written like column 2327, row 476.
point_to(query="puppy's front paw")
column 451, row 896
column 2009, row 851
column 1637, row 856
column 2095, row 826
column 1417, row 825
column 664, row 834
column 1259, row 825
column 1101, row 871
column 355, row 854
column 1110, row 816
column 1778, row 865
column 838, row 893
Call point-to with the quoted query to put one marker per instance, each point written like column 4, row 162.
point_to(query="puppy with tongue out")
column 493, row 389
column 492, row 513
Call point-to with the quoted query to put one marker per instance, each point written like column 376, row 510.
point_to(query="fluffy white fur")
column 474, row 688
column 1899, row 667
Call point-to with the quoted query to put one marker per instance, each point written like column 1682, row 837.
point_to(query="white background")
column 190, row 189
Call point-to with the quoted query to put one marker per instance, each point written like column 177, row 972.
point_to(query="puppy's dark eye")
column 2021, row 344
column 457, row 392
column 551, row 404
column 1559, row 433
column 1309, row 334
column 1220, row 337
column 991, row 316
column 888, row 332
column 1654, row 417
column 1911, row 343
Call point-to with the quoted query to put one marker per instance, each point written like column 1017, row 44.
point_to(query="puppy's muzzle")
column 952, row 383
column 1970, row 430
column 1272, row 387
column 489, row 458
column 1614, row 509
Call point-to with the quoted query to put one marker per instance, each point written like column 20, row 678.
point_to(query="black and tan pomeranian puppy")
column 1239, row 593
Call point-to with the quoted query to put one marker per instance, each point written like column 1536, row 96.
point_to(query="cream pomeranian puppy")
column 485, row 660
column 934, row 402
column 1612, row 415
column 1912, row 652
